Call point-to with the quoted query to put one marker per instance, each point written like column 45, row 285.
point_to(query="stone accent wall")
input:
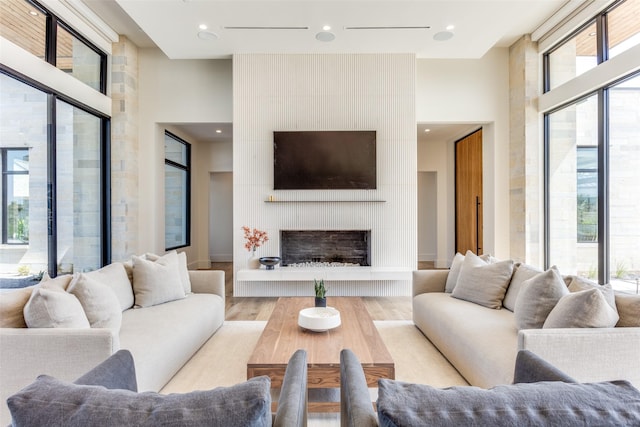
column 525, row 156
column 124, row 150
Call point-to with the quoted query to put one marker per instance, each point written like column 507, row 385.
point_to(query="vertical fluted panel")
column 327, row 92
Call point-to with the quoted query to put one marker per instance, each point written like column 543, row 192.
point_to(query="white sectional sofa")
column 162, row 337
column 482, row 343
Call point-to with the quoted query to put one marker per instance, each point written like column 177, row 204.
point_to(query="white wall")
column 327, row 92
column 178, row 91
column 468, row 91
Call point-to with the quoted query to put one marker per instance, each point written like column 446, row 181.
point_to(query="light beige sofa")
column 482, row 343
column 161, row 338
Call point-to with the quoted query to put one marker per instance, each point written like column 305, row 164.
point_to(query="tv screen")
column 324, row 160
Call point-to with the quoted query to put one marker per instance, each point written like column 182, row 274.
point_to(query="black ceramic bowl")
column 270, row 261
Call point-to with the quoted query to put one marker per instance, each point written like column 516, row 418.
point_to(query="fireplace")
column 325, row 246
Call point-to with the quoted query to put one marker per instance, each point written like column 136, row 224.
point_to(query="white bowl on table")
column 319, row 319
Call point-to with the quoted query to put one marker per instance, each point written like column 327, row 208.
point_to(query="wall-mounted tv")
column 324, row 160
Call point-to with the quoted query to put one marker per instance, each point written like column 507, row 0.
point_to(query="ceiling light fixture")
column 202, row 26
column 442, row 36
column 326, row 27
column 427, row 130
column 207, row 35
column 450, row 27
column 325, row 36
column 218, row 131
column 33, row 13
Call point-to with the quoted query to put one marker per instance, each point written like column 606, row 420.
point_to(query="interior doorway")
column 221, row 217
column 468, row 188
column 427, row 216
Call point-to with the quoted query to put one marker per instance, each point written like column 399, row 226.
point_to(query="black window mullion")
column 604, row 266
column 52, row 224
column 601, row 39
column 105, row 187
column 51, row 40
column 3, row 199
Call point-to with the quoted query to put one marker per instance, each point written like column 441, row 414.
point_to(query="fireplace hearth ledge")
column 326, row 273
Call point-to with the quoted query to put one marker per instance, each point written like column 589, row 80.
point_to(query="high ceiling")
column 359, row 26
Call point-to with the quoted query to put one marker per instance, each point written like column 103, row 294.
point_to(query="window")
column 55, row 196
column 177, row 190
column 15, row 195
column 593, row 153
column 27, row 24
column 612, row 32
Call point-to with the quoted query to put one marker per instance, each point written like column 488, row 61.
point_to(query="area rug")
column 222, row 361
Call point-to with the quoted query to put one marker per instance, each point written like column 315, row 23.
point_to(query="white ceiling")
column 173, row 26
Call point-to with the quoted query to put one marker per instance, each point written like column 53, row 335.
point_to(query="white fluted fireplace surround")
column 301, row 92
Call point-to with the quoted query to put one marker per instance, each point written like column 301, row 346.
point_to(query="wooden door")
column 469, row 193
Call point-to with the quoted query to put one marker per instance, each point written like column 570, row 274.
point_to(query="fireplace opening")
column 325, row 247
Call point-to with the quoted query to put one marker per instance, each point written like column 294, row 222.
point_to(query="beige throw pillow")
column 156, row 282
column 52, row 307
column 628, row 309
column 521, row 273
column 577, row 283
column 183, row 270
column 538, row 296
column 454, row 272
column 12, row 307
column 115, row 277
column 483, row 283
column 582, row 309
column 99, row 302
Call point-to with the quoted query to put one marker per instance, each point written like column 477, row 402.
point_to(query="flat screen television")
column 324, row 160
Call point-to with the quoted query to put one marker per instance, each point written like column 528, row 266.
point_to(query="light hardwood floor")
column 260, row 308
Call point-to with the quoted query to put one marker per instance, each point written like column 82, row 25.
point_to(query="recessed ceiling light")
column 33, row 13
column 202, row 26
column 325, row 36
column 326, row 27
column 592, row 34
column 218, row 130
column 427, row 130
column 443, row 36
column 207, row 35
column 450, row 27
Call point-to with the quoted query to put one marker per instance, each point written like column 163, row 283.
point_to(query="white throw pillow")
column 53, row 307
column 454, row 272
column 156, row 282
column 115, row 276
column 577, row 284
column 99, row 302
column 582, row 309
column 483, row 283
column 521, row 273
column 538, row 296
column 183, row 270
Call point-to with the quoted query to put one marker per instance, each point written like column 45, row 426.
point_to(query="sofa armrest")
column 207, row 282
column 531, row 368
column 63, row 353
column 292, row 403
column 356, row 408
column 588, row 354
column 429, row 281
column 117, row 372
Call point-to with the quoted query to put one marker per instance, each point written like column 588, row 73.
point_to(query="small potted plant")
column 321, row 293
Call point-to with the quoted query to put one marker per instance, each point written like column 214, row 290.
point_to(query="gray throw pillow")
column 454, row 272
column 521, row 273
column 614, row 403
column 538, row 296
column 483, row 283
column 51, row 402
column 577, row 283
column 582, row 309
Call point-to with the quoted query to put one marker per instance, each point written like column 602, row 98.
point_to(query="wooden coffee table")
column 282, row 337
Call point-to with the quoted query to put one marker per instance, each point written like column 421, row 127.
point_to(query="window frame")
column 187, row 196
column 105, row 169
column 3, row 197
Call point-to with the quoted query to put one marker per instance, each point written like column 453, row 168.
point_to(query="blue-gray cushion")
column 615, row 403
column 51, row 402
